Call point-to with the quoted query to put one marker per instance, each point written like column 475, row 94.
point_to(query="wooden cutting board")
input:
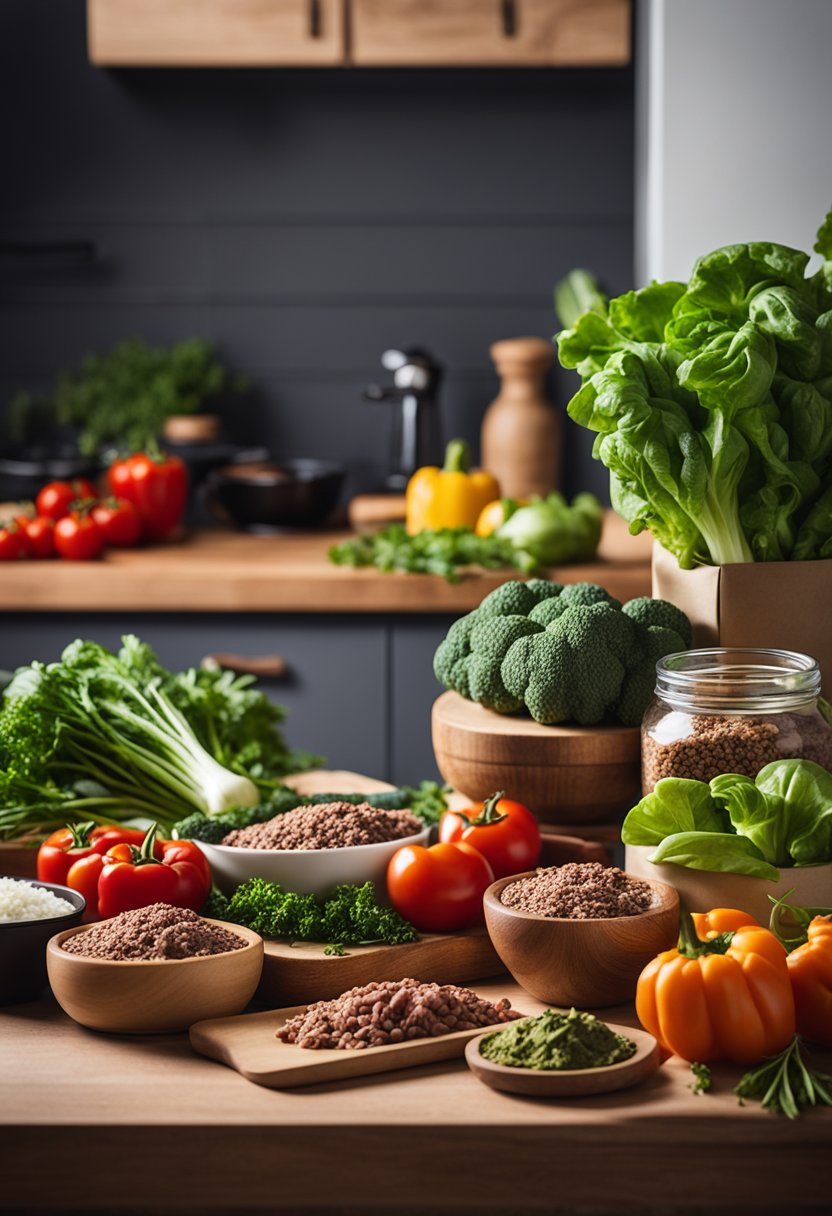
column 248, row 1044
column 303, row 972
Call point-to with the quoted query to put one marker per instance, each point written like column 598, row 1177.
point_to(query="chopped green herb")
column 701, row 1082
column 439, row 552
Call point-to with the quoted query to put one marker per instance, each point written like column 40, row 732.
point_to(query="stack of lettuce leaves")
column 711, row 401
column 737, row 825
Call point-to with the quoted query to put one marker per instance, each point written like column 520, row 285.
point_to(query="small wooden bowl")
column 153, row 996
column 573, row 1082
column 565, row 774
column 586, row 963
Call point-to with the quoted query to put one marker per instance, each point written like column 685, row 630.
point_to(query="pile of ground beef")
column 330, row 825
column 395, row 1011
column 157, row 931
column 579, row 891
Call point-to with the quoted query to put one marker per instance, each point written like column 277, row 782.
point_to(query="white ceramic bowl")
column 309, row 871
column 701, row 890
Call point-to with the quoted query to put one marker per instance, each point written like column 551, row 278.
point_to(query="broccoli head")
column 548, row 610
column 572, row 671
column 490, row 642
column 543, row 590
column 640, row 680
column 647, row 612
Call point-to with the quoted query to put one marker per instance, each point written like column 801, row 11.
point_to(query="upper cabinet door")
column 478, row 33
column 224, row 33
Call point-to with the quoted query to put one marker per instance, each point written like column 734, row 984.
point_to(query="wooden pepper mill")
column 521, row 439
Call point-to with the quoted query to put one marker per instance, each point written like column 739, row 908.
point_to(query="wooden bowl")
column 153, row 996
column 572, row 1082
column 565, row 774
column 586, row 963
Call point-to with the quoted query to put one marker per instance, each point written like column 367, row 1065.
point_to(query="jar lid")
column 738, row 680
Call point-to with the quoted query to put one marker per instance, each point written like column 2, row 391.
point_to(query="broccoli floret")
column 490, row 642
column 509, row 599
column 573, row 670
column 588, row 593
column 543, row 590
column 640, row 680
column 647, row 611
column 450, row 663
column 200, row 827
column 548, row 610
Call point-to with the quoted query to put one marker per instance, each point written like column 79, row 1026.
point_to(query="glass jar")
column 732, row 710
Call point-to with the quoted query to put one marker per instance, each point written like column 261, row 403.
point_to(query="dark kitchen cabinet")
column 358, row 690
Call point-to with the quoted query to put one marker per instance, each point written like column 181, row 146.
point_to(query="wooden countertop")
column 214, row 571
column 126, row 1124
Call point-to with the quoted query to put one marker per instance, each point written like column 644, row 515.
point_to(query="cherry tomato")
column 13, row 543
column 39, row 533
column 505, row 832
column 78, row 537
column 119, row 521
column 83, row 876
column 439, row 889
column 56, row 498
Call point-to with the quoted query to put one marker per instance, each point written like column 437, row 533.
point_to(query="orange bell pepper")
column 720, row 920
column 450, row 497
column 728, row 998
column 810, row 971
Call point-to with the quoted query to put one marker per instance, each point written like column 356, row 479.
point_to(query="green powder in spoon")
column 557, row 1041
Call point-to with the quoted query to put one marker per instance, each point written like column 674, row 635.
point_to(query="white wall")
column 734, row 127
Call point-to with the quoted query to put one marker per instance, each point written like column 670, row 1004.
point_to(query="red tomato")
column 56, row 498
column 158, row 488
column 78, row 537
column 119, row 521
column 13, row 543
column 40, row 535
column 439, row 889
column 505, row 832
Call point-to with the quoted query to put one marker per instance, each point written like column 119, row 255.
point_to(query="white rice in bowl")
column 21, row 900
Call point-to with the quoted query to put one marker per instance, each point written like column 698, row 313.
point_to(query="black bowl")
column 259, row 498
column 23, row 946
column 24, row 473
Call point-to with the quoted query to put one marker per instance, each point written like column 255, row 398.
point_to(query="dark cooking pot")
column 264, row 496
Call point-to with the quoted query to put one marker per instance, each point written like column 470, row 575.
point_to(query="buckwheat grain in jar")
column 732, row 710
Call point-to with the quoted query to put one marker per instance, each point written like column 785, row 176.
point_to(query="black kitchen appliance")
column 416, row 435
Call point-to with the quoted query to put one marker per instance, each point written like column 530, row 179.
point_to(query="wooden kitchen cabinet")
column 479, row 33
column 222, row 33
column 360, row 33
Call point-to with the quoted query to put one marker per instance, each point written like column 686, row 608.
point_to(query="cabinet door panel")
column 414, row 690
column 335, row 686
column 478, row 33
column 223, row 33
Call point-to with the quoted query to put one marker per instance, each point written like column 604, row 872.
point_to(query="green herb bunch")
column 121, row 399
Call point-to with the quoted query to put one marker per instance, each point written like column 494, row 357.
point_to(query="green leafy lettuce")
column 738, row 826
column 711, row 402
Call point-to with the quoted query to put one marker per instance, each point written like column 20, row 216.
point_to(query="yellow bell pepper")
column 450, row 497
column 495, row 514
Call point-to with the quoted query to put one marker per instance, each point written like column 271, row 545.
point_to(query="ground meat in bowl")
column 579, row 891
column 159, row 931
column 330, row 825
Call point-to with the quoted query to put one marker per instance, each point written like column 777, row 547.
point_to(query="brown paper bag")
column 786, row 605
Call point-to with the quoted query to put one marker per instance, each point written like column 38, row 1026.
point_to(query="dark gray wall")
column 305, row 221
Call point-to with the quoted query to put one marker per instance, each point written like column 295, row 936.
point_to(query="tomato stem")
column 489, row 813
column 145, row 856
column 80, row 834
